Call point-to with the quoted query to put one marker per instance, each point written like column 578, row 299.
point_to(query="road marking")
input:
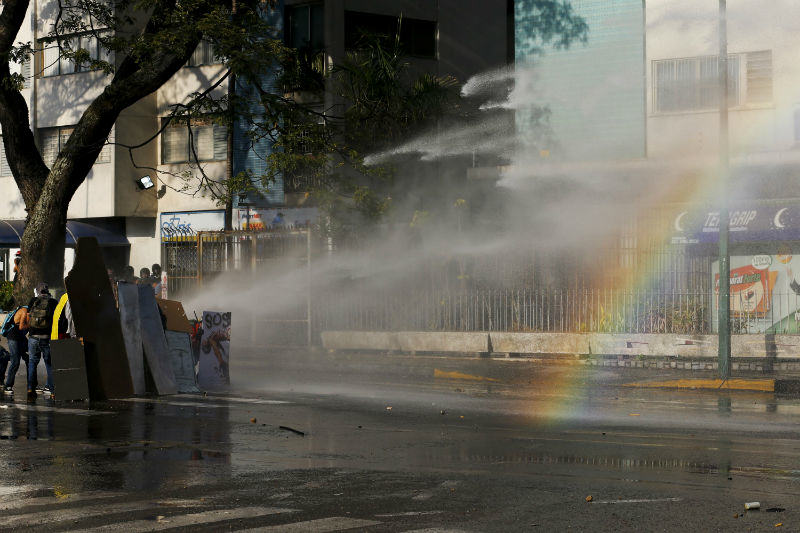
column 322, row 525
column 193, row 519
column 54, row 409
column 653, row 500
column 460, row 375
column 409, row 513
column 762, row 385
column 50, row 500
column 36, row 518
column 15, row 489
column 174, row 403
column 435, row 530
column 235, row 399
column 199, row 403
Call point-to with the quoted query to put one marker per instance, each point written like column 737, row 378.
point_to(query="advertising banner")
column 765, row 293
column 212, row 372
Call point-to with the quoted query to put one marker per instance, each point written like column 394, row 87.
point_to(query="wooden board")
column 97, row 321
column 176, row 316
column 156, row 351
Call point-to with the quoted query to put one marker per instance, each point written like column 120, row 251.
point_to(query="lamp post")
column 724, row 302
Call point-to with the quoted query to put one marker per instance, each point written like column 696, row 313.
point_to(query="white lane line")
column 174, row 403
column 322, row 525
column 6, row 490
column 644, row 500
column 408, row 513
column 193, row 519
column 37, row 518
column 51, row 500
column 234, row 399
column 436, row 530
column 53, row 409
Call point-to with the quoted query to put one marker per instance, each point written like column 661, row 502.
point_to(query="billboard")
column 765, row 293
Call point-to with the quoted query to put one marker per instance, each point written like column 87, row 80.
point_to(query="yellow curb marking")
column 459, row 375
column 764, row 385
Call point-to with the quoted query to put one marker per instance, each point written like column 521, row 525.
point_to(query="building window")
column 53, row 140
column 53, row 64
column 691, row 84
column 209, row 142
column 759, row 76
column 305, row 28
column 417, row 37
column 5, row 169
column 203, row 55
column 26, row 71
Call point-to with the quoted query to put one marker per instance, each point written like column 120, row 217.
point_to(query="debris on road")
column 253, row 420
column 776, row 510
column 296, row 431
column 752, row 506
column 589, row 498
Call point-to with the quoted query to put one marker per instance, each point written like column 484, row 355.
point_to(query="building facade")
column 447, row 37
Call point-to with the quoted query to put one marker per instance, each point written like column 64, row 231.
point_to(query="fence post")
column 200, row 259
column 308, row 292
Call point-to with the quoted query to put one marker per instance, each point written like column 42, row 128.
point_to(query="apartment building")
column 447, row 37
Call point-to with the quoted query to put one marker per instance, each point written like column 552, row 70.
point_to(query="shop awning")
column 11, row 233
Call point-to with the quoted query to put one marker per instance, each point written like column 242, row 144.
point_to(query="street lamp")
column 724, row 302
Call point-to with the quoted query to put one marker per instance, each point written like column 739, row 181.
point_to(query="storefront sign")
column 751, row 224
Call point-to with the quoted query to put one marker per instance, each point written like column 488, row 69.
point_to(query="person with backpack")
column 40, row 310
column 15, row 329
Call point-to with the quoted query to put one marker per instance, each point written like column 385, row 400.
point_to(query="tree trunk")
column 42, row 248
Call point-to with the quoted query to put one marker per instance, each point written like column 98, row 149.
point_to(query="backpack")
column 8, row 323
column 39, row 313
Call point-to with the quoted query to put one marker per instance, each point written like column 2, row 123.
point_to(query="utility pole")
column 724, row 302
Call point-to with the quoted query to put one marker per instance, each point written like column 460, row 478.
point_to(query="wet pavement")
column 322, row 442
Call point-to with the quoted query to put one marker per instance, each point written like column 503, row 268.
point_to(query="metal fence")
column 516, row 292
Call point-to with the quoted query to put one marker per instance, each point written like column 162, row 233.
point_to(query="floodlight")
column 145, row 182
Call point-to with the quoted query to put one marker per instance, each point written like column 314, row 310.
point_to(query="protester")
column 156, row 280
column 129, row 275
column 112, row 279
column 17, row 262
column 40, row 310
column 5, row 357
column 144, row 276
column 15, row 329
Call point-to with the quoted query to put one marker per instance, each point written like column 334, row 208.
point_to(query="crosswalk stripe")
column 202, row 518
column 77, row 513
column 7, row 504
column 6, row 490
column 322, row 525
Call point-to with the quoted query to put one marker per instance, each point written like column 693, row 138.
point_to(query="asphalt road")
column 405, row 444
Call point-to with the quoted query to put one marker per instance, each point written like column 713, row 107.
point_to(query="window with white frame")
column 53, row 140
column 5, row 169
column 203, row 55
column 202, row 141
column 54, row 64
column 692, row 84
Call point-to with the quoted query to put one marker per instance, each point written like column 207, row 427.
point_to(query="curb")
column 739, row 384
